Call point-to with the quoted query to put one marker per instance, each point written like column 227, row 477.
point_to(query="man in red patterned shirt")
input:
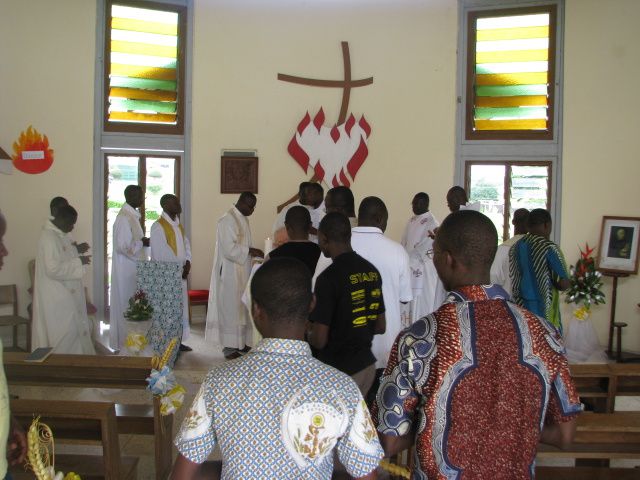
column 478, row 383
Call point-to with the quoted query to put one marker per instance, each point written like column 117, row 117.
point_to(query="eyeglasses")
column 430, row 254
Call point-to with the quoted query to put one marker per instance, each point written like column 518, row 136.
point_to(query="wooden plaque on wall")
column 239, row 174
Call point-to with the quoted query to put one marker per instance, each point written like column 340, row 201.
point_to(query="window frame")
column 135, row 143
column 517, row 150
column 142, row 182
column 132, row 127
column 508, row 164
column 472, row 17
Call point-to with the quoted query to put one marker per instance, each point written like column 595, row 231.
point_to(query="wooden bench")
column 79, row 421
column 117, row 372
column 596, row 386
column 627, row 378
column 586, row 473
column 600, row 437
column 600, row 384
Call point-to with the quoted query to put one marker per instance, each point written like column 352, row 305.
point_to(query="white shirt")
column 417, row 230
column 500, row 266
column 317, row 214
column 127, row 250
column 471, row 206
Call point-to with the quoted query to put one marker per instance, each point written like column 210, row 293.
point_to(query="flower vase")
column 581, row 340
column 136, row 340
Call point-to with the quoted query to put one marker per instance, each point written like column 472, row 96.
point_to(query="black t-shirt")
column 348, row 301
column 307, row 252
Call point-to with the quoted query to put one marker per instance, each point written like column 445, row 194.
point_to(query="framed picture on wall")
column 239, row 174
column 618, row 251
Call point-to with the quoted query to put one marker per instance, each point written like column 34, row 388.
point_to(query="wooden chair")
column 9, row 296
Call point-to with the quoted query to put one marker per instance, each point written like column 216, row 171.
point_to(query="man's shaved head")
column 456, row 196
column 340, row 199
column 298, row 218
column 282, row 287
column 56, row 203
column 520, row 219
column 372, row 212
column 336, row 228
column 538, row 216
column 470, row 237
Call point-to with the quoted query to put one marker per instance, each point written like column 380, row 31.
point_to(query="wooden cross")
column 346, row 84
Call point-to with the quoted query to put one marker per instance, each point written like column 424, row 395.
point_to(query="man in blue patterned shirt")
column 278, row 413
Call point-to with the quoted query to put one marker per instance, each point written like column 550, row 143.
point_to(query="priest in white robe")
column 170, row 244
column 227, row 318
column 428, row 291
column 59, row 306
column 128, row 248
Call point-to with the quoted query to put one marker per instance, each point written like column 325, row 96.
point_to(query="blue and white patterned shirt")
column 279, row 413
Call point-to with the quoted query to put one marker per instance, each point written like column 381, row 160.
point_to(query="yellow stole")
column 170, row 234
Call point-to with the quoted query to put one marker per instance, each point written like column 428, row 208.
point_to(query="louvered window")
column 510, row 77
column 145, row 56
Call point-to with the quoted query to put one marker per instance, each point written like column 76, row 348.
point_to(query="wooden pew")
column 79, row 421
column 627, row 379
column 586, row 473
column 117, row 372
column 599, row 436
column 599, row 384
column 596, row 385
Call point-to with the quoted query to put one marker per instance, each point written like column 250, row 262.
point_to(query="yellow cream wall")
column 47, row 58
column 601, row 140
column 409, row 47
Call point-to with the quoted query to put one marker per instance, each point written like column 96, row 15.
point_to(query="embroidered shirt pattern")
column 476, row 342
column 279, row 413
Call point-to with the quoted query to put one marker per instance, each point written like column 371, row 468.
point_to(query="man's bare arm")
column 372, row 476
column 559, row 434
column 393, row 444
column 183, row 469
column 318, row 335
column 380, row 325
